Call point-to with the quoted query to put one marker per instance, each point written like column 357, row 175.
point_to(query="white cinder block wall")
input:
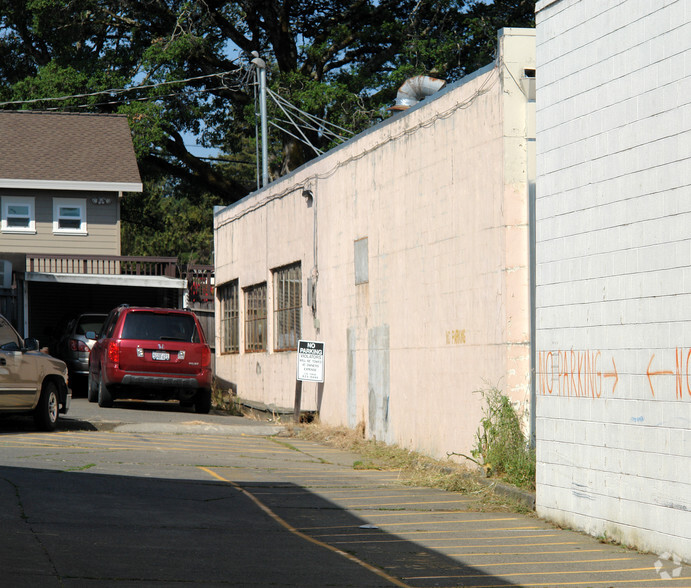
column 613, row 269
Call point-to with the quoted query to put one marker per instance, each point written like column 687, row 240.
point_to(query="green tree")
column 155, row 223
column 340, row 60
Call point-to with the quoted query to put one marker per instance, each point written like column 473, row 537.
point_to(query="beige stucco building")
column 406, row 252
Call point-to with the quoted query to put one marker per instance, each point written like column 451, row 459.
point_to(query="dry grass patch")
column 415, row 469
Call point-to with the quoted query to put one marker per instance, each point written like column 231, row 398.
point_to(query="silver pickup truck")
column 31, row 381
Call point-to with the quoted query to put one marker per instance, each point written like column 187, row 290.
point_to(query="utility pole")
column 261, row 66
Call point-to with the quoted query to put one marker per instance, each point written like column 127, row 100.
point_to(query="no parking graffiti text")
column 574, row 373
column 585, row 374
column 681, row 373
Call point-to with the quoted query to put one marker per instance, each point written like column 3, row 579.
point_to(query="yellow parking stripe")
column 382, row 504
column 429, row 532
column 431, row 539
column 423, row 513
column 423, row 523
column 569, row 572
column 593, row 582
column 502, row 553
column 130, row 441
column 289, row 527
column 544, row 563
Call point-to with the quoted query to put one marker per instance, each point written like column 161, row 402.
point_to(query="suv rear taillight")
column 77, row 345
column 206, row 357
column 113, row 353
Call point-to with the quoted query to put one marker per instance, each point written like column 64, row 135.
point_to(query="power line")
column 297, row 118
column 302, row 139
column 298, row 129
column 117, row 91
column 322, row 122
column 224, row 160
column 152, row 98
column 309, row 121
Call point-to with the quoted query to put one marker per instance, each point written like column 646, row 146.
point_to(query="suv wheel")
column 202, row 401
column 48, row 408
column 105, row 398
column 91, row 389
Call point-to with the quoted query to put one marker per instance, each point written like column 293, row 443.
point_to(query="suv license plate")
column 160, row 355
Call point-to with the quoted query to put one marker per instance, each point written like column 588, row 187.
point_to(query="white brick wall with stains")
column 613, row 269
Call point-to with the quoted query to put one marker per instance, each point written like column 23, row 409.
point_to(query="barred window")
column 230, row 316
column 287, row 307
column 255, row 318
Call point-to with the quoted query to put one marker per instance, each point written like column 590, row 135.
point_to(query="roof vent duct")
column 415, row 89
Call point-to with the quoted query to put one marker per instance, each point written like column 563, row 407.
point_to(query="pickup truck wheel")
column 105, row 399
column 202, row 402
column 48, row 408
column 91, row 389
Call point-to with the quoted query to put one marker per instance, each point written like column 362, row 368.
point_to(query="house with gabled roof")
column 62, row 178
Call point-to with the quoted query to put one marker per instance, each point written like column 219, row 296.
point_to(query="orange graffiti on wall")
column 580, row 374
column 574, row 373
column 681, row 373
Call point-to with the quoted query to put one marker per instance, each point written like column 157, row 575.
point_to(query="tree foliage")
column 341, row 60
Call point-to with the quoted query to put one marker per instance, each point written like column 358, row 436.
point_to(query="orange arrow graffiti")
column 614, row 375
column 649, row 373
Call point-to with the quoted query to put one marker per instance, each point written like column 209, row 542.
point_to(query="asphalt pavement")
column 131, row 416
column 152, row 495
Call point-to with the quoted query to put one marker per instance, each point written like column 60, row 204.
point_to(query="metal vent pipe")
column 414, row 89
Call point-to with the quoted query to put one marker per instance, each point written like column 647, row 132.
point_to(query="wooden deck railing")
column 103, row 264
column 200, row 280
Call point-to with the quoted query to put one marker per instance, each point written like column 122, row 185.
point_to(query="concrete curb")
column 523, row 497
column 199, row 429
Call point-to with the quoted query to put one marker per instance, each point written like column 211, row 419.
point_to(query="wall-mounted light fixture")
column 308, row 195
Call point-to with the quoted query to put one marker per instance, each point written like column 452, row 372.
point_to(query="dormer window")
column 18, row 215
column 69, row 216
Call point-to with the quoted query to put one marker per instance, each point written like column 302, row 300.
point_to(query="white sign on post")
column 310, row 361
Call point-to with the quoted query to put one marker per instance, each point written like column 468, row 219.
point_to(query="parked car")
column 74, row 346
column 31, row 381
column 151, row 354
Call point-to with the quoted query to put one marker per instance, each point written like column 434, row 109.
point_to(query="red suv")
column 151, row 354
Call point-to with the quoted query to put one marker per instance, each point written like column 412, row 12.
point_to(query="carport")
column 49, row 298
column 48, row 289
column 55, row 287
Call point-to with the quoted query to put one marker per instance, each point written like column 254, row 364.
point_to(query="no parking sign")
column 310, row 361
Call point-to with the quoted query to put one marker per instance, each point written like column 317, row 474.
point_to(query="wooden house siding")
column 102, row 223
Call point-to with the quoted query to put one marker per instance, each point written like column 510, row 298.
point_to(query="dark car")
column 31, row 381
column 151, row 354
column 74, row 346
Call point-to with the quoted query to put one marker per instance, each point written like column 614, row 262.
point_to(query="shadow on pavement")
column 22, row 423
column 81, row 529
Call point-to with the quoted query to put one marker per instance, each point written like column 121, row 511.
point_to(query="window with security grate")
column 255, row 318
column 287, row 307
column 230, row 317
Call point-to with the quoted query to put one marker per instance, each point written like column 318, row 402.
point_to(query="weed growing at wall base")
column 224, row 401
column 501, row 448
